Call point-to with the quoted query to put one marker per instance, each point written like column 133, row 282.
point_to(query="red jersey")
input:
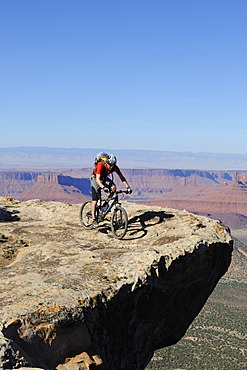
column 100, row 169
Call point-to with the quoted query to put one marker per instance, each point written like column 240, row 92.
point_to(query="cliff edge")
column 75, row 299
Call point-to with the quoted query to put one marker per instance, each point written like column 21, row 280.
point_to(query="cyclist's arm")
column 126, row 184
column 98, row 180
column 122, row 178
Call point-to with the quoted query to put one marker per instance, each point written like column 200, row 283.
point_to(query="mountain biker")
column 100, row 180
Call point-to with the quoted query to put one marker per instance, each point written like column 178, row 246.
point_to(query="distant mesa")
column 52, row 187
column 145, row 183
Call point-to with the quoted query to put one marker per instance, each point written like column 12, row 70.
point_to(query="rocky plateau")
column 74, row 299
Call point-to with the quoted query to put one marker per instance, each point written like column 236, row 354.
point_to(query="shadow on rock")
column 139, row 224
column 8, row 216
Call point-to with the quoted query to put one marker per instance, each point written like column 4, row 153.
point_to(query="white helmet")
column 111, row 159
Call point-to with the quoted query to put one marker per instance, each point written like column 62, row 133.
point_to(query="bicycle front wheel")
column 119, row 222
column 86, row 217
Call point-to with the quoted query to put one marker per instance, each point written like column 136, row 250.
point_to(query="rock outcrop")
column 77, row 299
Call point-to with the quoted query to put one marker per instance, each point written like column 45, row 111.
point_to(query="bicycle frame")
column 114, row 198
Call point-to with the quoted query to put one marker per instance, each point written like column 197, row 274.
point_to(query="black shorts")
column 96, row 193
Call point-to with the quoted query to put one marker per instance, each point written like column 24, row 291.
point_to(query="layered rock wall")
column 144, row 182
column 14, row 183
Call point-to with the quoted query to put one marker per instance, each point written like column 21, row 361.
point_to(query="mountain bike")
column 119, row 218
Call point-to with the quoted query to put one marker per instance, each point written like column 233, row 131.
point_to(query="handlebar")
column 121, row 191
column 114, row 195
column 105, row 197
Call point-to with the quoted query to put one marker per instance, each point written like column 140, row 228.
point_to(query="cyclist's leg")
column 94, row 205
column 95, row 196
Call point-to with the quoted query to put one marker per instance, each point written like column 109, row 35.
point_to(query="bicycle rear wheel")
column 86, row 217
column 119, row 222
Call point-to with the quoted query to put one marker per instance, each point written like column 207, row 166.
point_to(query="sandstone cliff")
column 148, row 183
column 76, row 299
column 50, row 187
column 14, row 183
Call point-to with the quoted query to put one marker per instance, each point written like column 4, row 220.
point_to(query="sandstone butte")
column 74, row 299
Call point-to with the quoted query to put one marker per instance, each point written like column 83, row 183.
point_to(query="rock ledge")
column 76, row 299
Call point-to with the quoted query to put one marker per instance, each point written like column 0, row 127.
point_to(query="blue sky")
column 130, row 74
